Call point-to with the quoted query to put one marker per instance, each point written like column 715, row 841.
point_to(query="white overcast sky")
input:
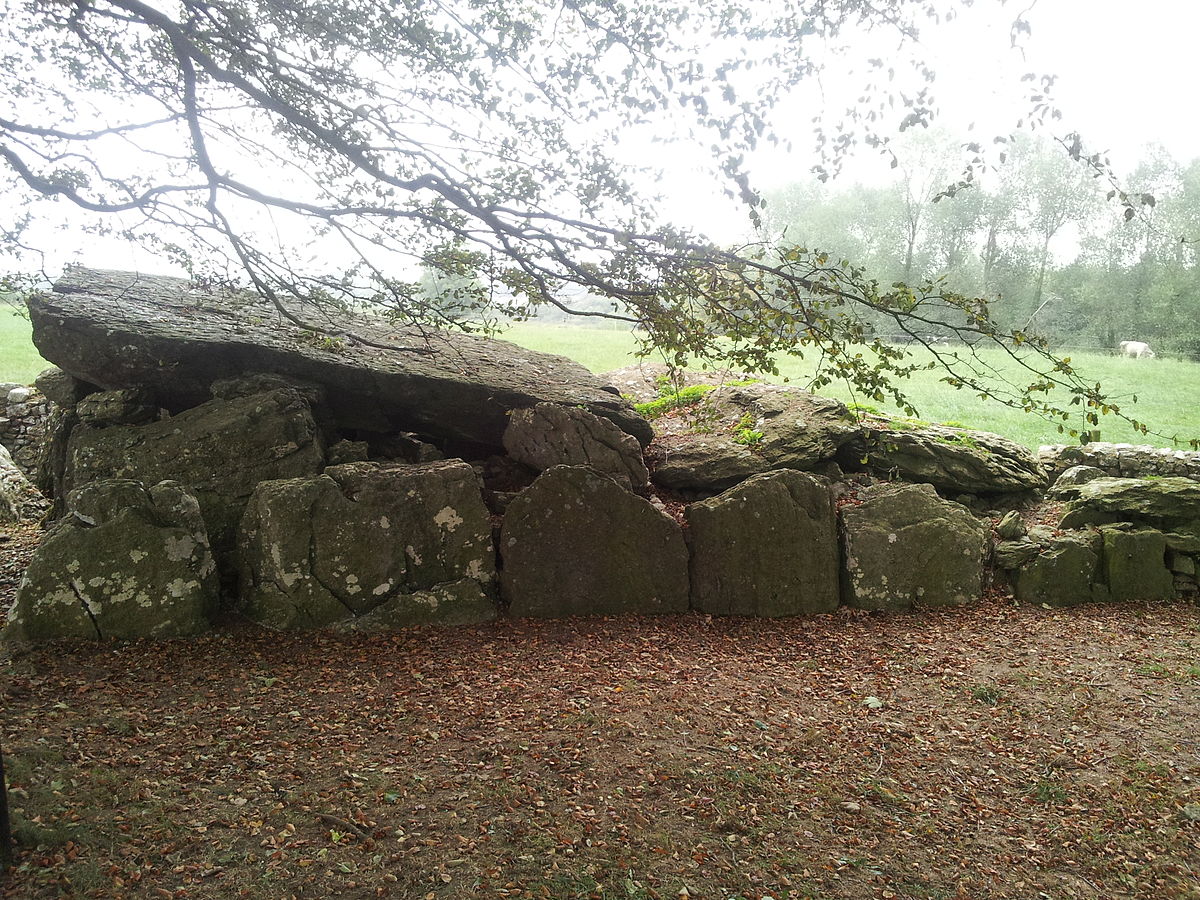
column 1126, row 78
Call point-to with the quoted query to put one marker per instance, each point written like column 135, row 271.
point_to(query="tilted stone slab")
column 549, row 435
column 904, row 546
column 1170, row 503
column 577, row 543
column 799, row 431
column 767, row 547
column 410, row 544
column 956, row 460
column 124, row 330
column 126, row 562
column 220, row 450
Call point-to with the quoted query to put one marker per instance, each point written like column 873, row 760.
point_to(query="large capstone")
column 767, row 547
column 404, row 544
column 125, row 330
column 576, row 543
column 954, row 460
column 745, row 429
column 906, row 547
column 220, row 450
column 550, row 434
column 126, row 562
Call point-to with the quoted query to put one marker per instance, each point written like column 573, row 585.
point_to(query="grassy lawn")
column 19, row 359
column 1165, row 388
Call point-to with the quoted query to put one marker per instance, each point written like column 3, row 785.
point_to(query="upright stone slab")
column 220, row 450
column 767, row 547
column 1135, row 565
column 404, row 544
column 126, row 562
column 1064, row 573
column 577, row 543
column 905, row 546
column 549, row 434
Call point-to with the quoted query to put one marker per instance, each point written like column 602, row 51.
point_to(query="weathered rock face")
column 405, row 544
column 1135, row 566
column 906, row 547
column 130, row 406
column 1066, row 572
column 577, row 543
column 127, row 562
column 19, row 500
column 1172, row 503
column 549, row 435
column 954, row 459
column 122, row 330
column 220, row 450
column 767, row 547
column 1067, row 485
column 799, row 431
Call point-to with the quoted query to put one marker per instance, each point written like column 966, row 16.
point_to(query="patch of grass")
column 1047, row 791
column 19, row 360
column 745, row 433
column 987, row 693
column 687, row 396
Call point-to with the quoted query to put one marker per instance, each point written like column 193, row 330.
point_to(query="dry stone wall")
column 24, row 413
column 1121, row 460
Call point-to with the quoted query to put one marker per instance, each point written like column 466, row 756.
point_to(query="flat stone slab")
column 125, row 330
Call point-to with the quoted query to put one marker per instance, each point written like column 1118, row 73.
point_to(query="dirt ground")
column 996, row 751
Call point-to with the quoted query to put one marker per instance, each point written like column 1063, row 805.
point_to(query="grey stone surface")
column 1135, row 566
column 1068, row 484
column 766, row 547
column 577, row 543
column 1170, row 503
column 1011, row 526
column 411, row 544
column 61, row 388
column 904, row 546
column 956, row 460
column 126, row 562
column 121, row 329
column 220, row 450
column 549, row 434
column 1064, row 573
column 799, row 431
column 129, row 406
column 20, row 501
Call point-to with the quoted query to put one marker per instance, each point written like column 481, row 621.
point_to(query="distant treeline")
column 1038, row 238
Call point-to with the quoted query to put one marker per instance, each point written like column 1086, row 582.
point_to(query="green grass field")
column 1168, row 390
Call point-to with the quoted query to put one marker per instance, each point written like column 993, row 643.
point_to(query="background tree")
column 322, row 149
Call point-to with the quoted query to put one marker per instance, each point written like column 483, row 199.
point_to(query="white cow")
column 1136, row 350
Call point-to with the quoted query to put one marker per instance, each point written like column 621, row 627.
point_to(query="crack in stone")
column 87, row 610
